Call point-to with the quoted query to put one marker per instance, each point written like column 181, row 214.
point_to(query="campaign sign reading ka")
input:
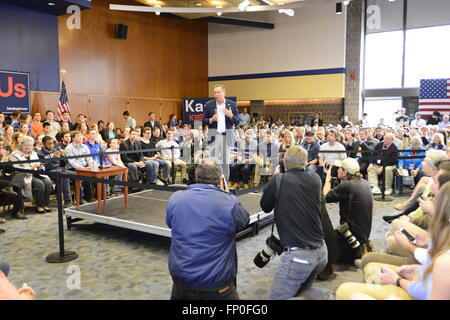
column 14, row 92
column 193, row 109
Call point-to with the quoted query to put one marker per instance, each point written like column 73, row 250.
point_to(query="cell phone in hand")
column 408, row 235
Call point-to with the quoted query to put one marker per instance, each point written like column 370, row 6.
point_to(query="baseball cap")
column 349, row 164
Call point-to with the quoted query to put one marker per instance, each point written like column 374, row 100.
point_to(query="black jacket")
column 131, row 157
column 298, row 216
column 105, row 134
column 385, row 157
column 149, row 124
column 311, row 123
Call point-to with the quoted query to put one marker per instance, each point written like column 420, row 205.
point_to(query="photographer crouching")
column 295, row 198
column 355, row 208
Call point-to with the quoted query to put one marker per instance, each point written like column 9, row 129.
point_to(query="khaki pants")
column 181, row 164
column 258, row 169
column 388, row 173
column 391, row 245
column 387, row 259
column 372, row 288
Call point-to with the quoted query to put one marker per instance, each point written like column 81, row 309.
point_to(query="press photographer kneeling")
column 355, row 208
column 295, row 198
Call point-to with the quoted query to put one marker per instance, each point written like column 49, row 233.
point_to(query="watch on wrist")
column 398, row 281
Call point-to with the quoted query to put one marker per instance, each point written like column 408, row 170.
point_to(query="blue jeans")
column 152, row 167
column 65, row 186
column 311, row 168
column 4, row 267
column 165, row 167
column 294, row 277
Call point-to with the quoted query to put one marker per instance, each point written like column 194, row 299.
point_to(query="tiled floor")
column 120, row 264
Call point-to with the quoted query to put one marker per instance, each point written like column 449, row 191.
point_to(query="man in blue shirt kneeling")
column 204, row 220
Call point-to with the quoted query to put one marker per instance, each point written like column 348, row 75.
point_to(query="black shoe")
column 2, row 231
column 389, row 219
column 40, row 212
column 186, row 181
column 166, row 182
column 18, row 215
column 67, row 204
column 48, row 210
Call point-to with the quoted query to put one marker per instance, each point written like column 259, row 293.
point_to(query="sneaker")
column 67, row 204
column 357, row 263
column 186, row 181
column 376, row 190
column 388, row 191
column 159, row 183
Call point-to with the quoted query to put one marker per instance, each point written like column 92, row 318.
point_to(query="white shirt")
column 418, row 123
column 167, row 153
column 221, row 127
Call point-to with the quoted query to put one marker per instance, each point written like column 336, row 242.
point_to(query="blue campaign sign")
column 14, row 92
column 193, row 109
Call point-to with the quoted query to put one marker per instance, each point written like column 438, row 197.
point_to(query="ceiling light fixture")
column 51, row 4
column 339, row 8
column 289, row 12
column 243, row 5
column 198, row 4
column 219, row 13
column 346, row 2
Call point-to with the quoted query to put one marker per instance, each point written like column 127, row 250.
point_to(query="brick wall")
column 330, row 109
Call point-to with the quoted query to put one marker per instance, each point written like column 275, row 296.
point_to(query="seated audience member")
column 47, row 130
column 37, row 185
column 326, row 159
column 17, row 136
column 50, row 118
column 94, row 146
column 98, row 136
column 15, row 195
column 135, row 161
column 166, row 154
column 100, row 125
column 204, row 220
column 428, row 280
column 437, row 143
column 430, row 166
column 385, row 155
column 355, row 208
column 418, row 122
column 312, row 147
column 288, row 141
column 64, row 128
column 297, row 217
column 412, row 166
column 434, row 119
column 84, row 130
column 66, row 119
column 114, row 160
column 147, row 142
column 267, row 159
column 38, row 142
column 77, row 148
column 49, row 151
column 445, row 123
column 108, row 132
column 8, row 134
column 245, row 161
column 24, row 129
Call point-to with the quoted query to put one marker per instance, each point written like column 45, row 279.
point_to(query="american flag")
column 63, row 102
column 434, row 96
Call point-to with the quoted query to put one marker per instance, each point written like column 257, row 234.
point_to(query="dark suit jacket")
column 105, row 135
column 149, row 124
column 311, row 123
column 131, row 157
column 210, row 110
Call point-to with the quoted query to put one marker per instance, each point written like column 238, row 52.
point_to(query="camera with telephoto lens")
column 348, row 236
column 333, row 168
column 273, row 247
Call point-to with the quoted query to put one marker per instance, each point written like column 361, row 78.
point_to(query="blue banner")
column 14, row 92
column 193, row 109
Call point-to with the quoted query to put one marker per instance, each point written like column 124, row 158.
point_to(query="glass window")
column 382, row 108
column 383, row 60
column 427, row 54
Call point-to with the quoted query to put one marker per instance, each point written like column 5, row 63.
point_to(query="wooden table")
column 101, row 188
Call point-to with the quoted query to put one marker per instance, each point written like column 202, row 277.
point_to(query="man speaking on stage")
column 221, row 115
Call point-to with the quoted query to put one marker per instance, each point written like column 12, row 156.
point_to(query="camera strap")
column 278, row 179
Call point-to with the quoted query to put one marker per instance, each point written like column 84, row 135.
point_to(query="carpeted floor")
column 121, row 264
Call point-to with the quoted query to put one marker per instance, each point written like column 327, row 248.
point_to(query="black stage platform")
column 146, row 212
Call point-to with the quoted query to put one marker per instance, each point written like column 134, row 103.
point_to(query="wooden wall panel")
column 99, row 108
column 162, row 59
column 117, row 106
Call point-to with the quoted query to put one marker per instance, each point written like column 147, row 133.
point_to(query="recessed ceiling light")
column 198, row 4
column 51, row 3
